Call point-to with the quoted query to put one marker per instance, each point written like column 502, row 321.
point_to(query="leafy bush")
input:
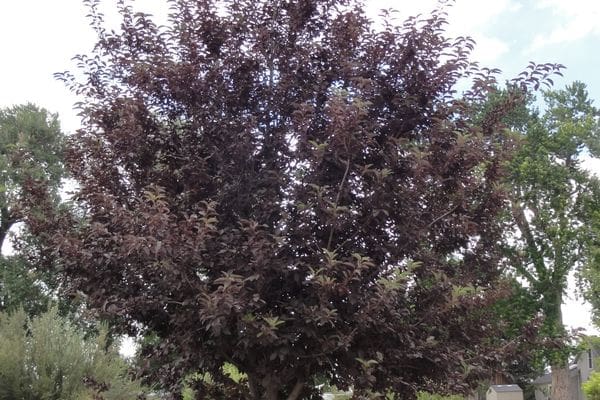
column 204, row 386
column 591, row 387
column 47, row 357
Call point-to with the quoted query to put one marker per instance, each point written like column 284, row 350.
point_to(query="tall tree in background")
column 31, row 145
column 553, row 205
column 278, row 186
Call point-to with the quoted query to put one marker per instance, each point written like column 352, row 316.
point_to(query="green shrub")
column 591, row 387
column 212, row 389
column 47, row 357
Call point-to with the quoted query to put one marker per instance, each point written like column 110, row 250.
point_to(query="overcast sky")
column 39, row 37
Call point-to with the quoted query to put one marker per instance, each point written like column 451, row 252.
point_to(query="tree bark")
column 254, row 387
column 271, row 392
column 270, row 385
column 268, row 388
column 296, row 391
column 560, row 382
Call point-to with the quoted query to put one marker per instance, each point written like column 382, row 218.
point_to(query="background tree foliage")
column 46, row 357
column 554, row 207
column 279, row 186
column 31, row 147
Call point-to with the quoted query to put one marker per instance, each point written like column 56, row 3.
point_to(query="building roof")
column 545, row 379
column 505, row 388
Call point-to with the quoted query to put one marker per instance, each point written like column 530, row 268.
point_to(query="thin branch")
column 444, row 215
column 337, row 200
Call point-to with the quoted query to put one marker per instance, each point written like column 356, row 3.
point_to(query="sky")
column 39, row 37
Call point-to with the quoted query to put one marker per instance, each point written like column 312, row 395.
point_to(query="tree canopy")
column 554, row 205
column 31, row 145
column 282, row 187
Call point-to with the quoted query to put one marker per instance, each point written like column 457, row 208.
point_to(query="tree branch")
column 525, row 229
column 520, row 268
column 337, row 200
column 444, row 215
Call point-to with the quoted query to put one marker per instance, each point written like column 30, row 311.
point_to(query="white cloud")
column 489, row 49
column 472, row 18
column 39, row 39
column 580, row 19
column 465, row 18
column 475, row 15
column 514, row 7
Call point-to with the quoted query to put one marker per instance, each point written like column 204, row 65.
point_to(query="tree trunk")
column 254, row 387
column 296, row 391
column 271, row 392
column 268, row 388
column 560, row 382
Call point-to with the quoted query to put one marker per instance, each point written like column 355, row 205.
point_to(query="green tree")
column 591, row 272
column 31, row 147
column 47, row 357
column 553, row 206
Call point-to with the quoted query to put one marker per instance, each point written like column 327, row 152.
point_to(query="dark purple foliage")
column 280, row 186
